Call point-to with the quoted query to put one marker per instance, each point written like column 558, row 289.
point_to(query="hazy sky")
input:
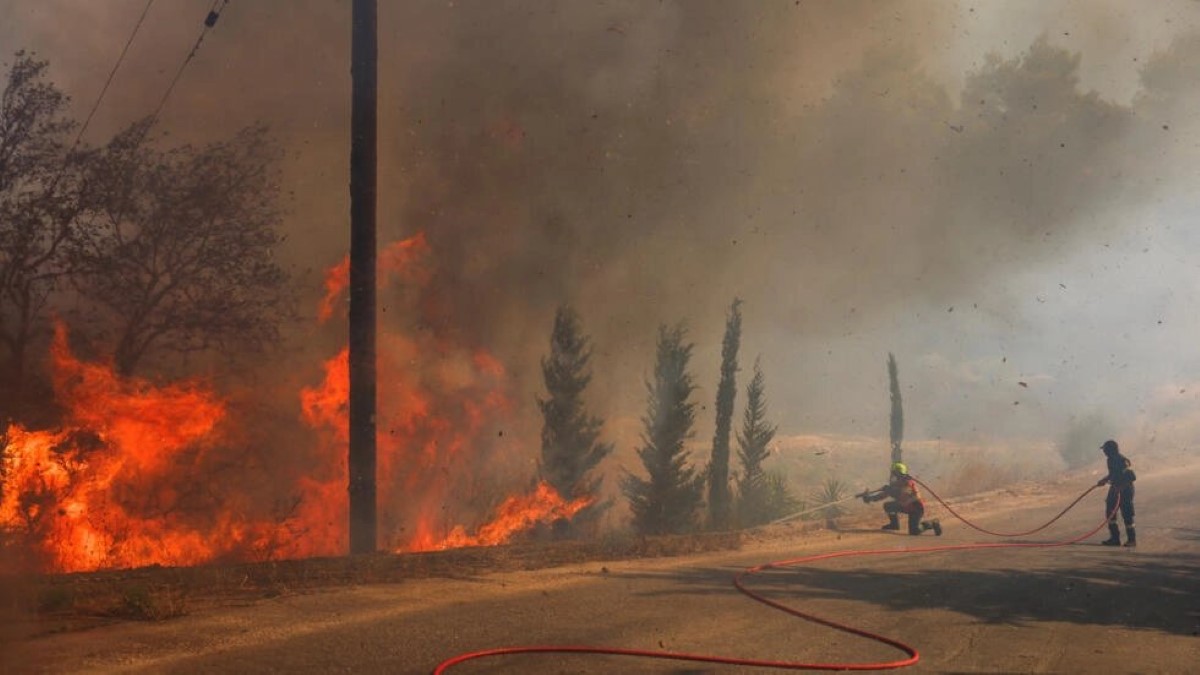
column 997, row 192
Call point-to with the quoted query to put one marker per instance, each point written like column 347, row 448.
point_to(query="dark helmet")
column 1109, row 447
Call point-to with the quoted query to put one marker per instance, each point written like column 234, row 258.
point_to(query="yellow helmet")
column 900, row 468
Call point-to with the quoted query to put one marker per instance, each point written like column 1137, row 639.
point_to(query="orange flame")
column 132, row 476
column 428, row 418
column 337, row 278
column 516, row 515
column 80, row 492
column 435, row 399
column 397, row 260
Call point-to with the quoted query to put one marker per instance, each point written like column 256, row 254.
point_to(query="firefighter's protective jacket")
column 904, row 490
column 1120, row 471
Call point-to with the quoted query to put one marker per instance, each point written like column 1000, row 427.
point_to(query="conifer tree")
column 719, row 498
column 667, row 500
column 754, row 486
column 570, row 436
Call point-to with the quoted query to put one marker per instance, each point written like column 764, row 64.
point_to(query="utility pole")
column 363, row 74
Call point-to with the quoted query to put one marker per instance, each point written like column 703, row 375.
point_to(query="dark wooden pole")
column 363, row 74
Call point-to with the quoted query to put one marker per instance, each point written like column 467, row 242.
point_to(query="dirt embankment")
column 53, row 603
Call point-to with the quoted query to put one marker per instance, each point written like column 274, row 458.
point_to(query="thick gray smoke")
column 864, row 175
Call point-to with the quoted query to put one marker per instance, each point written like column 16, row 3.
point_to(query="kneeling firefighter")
column 902, row 490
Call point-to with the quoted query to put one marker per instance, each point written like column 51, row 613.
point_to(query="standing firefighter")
column 1120, row 484
column 902, row 490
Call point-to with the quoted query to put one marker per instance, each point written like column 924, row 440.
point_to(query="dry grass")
column 971, row 477
column 951, row 468
column 39, row 604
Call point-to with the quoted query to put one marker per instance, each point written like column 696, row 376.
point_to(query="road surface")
column 1079, row 608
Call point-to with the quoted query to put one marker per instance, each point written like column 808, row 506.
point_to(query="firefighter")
column 1120, row 483
column 902, row 490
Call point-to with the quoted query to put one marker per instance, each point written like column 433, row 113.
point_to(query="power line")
column 111, row 75
column 60, row 235
column 210, row 20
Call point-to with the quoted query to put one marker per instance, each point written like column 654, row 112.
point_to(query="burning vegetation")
column 137, row 256
column 132, row 474
column 105, row 488
column 136, row 472
column 139, row 473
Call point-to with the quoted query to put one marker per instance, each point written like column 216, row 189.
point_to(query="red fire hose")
column 738, row 582
column 1039, row 528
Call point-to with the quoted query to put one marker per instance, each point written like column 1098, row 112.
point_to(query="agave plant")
column 832, row 490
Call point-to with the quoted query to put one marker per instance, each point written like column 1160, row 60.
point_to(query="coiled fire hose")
column 912, row 656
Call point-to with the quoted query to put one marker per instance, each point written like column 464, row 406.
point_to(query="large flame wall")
column 140, row 474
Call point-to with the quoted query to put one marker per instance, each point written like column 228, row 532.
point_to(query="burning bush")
column 116, row 485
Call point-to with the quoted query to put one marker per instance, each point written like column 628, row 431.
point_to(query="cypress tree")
column 897, row 421
column 570, row 436
column 667, row 500
column 719, row 498
column 754, row 485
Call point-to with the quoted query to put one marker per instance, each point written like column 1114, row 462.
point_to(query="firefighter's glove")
column 1102, row 482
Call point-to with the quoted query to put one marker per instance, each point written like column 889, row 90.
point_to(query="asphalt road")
column 1073, row 609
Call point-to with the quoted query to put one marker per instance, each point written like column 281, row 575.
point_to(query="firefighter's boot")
column 1114, row 536
column 893, row 522
column 1130, row 537
column 934, row 525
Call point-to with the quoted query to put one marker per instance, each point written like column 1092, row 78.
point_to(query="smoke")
column 864, row 175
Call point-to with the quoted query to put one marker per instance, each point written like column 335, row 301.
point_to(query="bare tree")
column 178, row 245
column 38, row 186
